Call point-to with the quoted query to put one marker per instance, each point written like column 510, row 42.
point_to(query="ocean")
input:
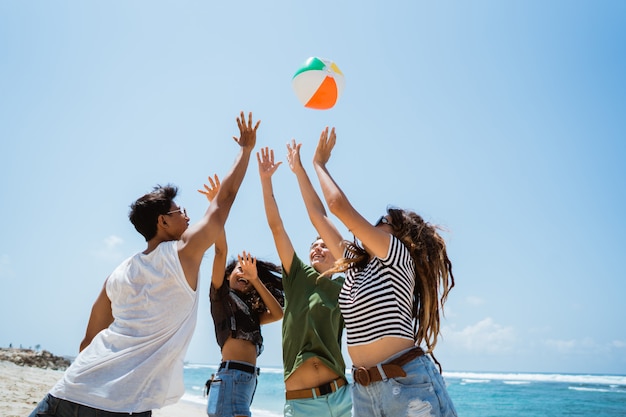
column 474, row 393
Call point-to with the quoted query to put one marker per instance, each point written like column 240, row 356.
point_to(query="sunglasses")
column 383, row 220
column 181, row 210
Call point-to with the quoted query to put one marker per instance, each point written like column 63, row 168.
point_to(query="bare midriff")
column 376, row 352
column 312, row 373
column 239, row 350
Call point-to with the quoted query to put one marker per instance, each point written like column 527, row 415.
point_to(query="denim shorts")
column 53, row 406
column 422, row 392
column 231, row 393
column 336, row 404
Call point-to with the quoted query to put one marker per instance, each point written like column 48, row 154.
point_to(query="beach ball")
column 318, row 83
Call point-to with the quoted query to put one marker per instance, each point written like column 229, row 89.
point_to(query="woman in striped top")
column 397, row 281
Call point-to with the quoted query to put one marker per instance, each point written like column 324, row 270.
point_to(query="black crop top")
column 234, row 317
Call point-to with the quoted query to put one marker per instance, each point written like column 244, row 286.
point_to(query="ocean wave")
column 516, row 382
column 589, row 389
column 264, row 369
column 194, row 399
column 475, row 381
column 507, row 377
column 199, row 366
column 616, row 380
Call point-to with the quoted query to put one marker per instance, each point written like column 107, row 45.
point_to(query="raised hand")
column 248, row 266
column 210, row 191
column 247, row 133
column 267, row 166
column 324, row 146
column 293, row 155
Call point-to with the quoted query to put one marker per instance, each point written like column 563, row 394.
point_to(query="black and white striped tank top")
column 376, row 301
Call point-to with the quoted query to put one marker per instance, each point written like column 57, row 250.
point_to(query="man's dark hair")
column 145, row 212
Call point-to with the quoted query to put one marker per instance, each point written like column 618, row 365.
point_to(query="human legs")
column 231, row 393
column 47, row 407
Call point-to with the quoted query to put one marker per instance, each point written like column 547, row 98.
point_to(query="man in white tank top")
column 131, row 359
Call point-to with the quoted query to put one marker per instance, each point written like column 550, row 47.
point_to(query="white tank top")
column 136, row 364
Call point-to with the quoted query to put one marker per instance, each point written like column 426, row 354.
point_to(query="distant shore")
column 27, row 376
column 34, row 358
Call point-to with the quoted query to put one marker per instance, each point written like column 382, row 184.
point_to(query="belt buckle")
column 362, row 376
column 326, row 388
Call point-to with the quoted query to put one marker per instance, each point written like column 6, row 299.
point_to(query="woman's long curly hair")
column 433, row 270
column 270, row 274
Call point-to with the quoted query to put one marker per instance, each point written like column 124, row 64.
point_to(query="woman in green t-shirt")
column 314, row 368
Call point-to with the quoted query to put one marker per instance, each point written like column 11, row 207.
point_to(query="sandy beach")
column 22, row 387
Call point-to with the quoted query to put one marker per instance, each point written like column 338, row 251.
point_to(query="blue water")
column 474, row 393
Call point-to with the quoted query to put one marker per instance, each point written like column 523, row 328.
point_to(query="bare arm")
column 221, row 244
column 101, row 317
column 219, row 260
column 267, row 168
column 314, row 207
column 375, row 239
column 199, row 237
column 274, row 310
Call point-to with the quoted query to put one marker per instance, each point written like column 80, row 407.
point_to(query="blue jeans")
column 422, row 392
column 336, row 404
column 52, row 406
column 231, row 393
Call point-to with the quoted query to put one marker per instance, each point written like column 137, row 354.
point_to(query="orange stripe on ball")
column 325, row 97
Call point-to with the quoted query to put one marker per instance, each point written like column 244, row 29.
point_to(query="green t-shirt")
column 312, row 322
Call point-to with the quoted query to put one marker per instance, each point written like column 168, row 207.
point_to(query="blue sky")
column 502, row 121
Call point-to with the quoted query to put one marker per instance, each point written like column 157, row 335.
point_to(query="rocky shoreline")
column 38, row 359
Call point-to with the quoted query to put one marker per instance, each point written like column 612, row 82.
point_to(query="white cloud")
column 113, row 241
column 109, row 249
column 583, row 346
column 619, row 344
column 484, row 336
column 562, row 346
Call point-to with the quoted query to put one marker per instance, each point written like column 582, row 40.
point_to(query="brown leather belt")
column 328, row 388
column 392, row 369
